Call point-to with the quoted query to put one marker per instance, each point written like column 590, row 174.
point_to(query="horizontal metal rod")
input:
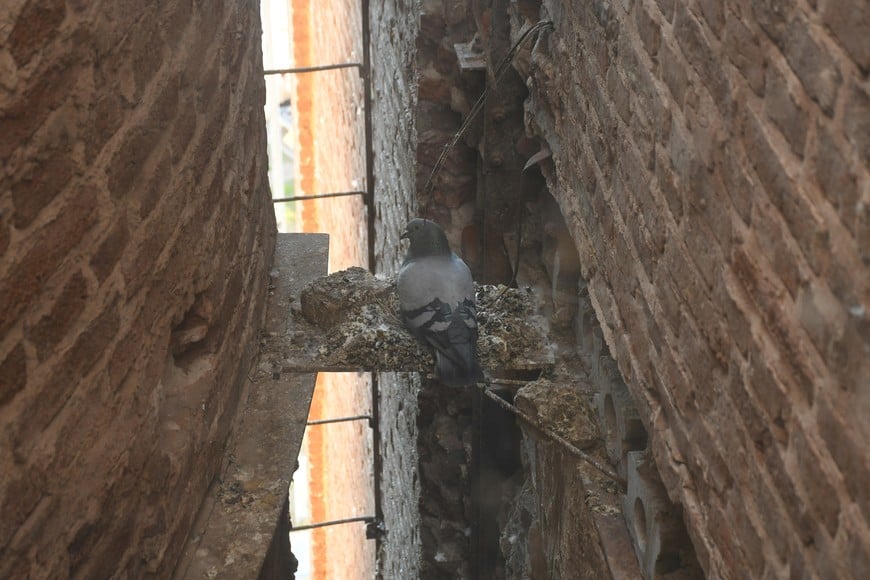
column 510, row 382
column 317, row 196
column 592, row 462
column 339, row 420
column 366, row 519
column 308, row 69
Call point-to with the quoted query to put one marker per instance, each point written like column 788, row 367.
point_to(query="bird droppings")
column 563, row 409
column 356, row 317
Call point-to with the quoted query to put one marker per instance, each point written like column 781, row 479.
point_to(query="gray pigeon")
column 436, row 295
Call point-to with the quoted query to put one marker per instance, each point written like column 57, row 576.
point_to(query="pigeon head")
column 426, row 237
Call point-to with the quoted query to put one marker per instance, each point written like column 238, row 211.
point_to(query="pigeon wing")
column 436, row 295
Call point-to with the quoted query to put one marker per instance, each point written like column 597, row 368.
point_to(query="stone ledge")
column 241, row 529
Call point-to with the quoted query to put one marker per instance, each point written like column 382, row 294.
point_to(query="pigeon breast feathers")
column 436, row 295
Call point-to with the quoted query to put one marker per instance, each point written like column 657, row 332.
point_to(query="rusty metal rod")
column 317, row 196
column 512, row 382
column 366, row 519
column 592, row 462
column 339, row 420
column 308, row 69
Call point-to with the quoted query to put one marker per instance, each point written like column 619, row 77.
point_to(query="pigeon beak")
column 404, row 235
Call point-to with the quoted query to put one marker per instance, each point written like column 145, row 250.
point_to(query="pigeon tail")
column 456, row 362
column 459, row 368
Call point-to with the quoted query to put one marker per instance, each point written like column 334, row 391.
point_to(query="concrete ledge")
column 241, row 529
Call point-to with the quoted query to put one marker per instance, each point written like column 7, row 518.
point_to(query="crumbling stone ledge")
column 349, row 321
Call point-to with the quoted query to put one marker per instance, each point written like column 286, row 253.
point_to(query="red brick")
column 849, row 20
column 728, row 295
column 843, row 442
column 13, row 373
column 207, row 17
column 35, row 27
column 720, row 532
column 68, row 374
column 51, row 245
column 673, row 73
column 813, row 64
column 183, row 129
column 740, row 186
column 777, row 245
column 127, row 163
column 175, row 18
column 808, row 228
column 134, row 345
column 146, row 63
column 21, row 118
column 826, row 323
column 714, row 13
column 42, row 181
column 667, row 8
column 22, row 490
column 773, row 16
column 766, row 160
column 818, row 478
column 669, row 189
column 647, row 28
column 783, row 107
column 857, row 556
column 775, row 530
column 856, row 123
column 149, row 190
column 110, row 250
column 653, row 99
column 619, row 93
column 112, row 541
column 761, row 287
column 698, row 50
column 835, row 177
column 435, row 88
column 770, row 393
column 4, row 233
column 706, row 254
column 796, row 506
column 50, row 330
column 747, row 537
column 104, row 120
column 744, row 51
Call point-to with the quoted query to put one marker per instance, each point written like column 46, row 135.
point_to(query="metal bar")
column 366, row 73
column 317, row 196
column 339, row 420
column 592, row 462
column 308, row 69
column 375, row 423
column 366, row 519
column 512, row 382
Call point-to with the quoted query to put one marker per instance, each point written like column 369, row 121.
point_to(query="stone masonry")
column 136, row 237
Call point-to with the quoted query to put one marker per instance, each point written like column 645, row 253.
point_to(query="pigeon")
column 436, row 297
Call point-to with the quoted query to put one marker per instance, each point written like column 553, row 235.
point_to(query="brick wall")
column 135, row 241
column 711, row 160
column 394, row 30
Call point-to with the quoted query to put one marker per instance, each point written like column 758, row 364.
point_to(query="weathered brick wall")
column 711, row 160
column 135, row 241
column 394, row 29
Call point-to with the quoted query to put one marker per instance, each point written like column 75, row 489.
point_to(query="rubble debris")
column 563, row 409
column 354, row 317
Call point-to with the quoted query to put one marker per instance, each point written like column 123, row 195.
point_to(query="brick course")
column 715, row 185
column 135, row 200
